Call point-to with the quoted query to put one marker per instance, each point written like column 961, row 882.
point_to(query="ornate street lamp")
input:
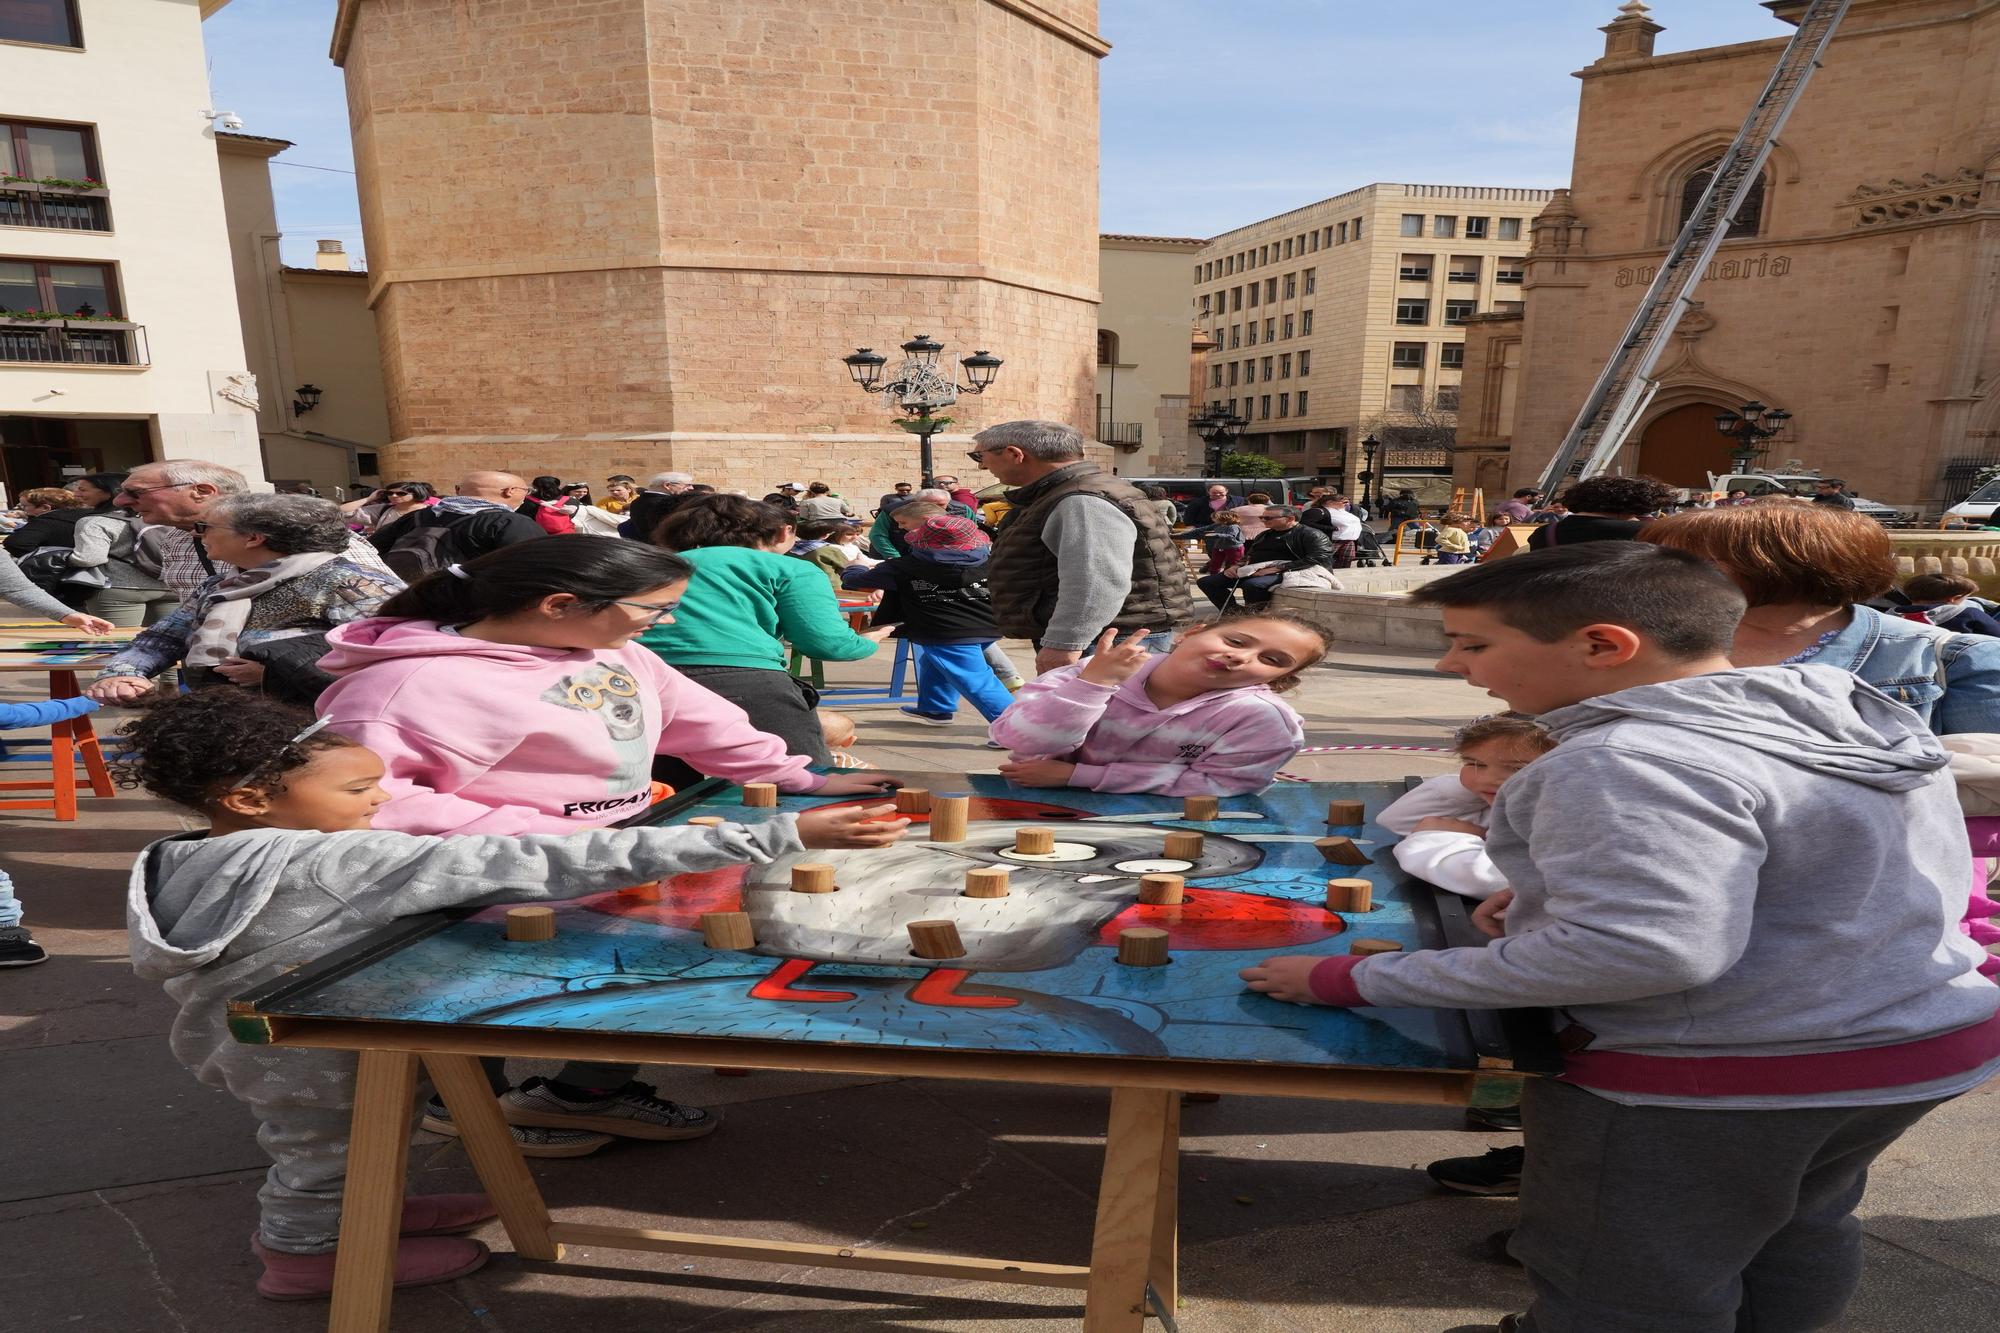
column 1217, row 427
column 1371, row 487
column 305, row 398
column 919, row 388
column 1751, row 427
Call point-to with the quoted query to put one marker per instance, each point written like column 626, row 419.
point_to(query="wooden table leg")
column 62, row 771
column 62, row 685
column 1167, row 1216
column 1124, row 1251
column 502, row 1170
column 371, row 1215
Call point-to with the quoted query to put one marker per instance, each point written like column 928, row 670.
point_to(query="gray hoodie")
column 1759, row 862
column 214, row 917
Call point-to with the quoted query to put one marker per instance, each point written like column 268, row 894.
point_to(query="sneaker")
column 631, row 1112
column 532, row 1141
column 444, row 1214
column 1493, row 1117
column 1497, row 1173
column 929, row 719
column 1013, row 684
column 18, row 948
column 419, row 1263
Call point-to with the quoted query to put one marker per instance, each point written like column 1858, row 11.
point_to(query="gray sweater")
column 214, row 917
column 15, row 587
column 1093, row 545
column 1759, row 862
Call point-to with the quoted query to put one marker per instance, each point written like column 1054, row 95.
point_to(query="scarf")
column 228, row 609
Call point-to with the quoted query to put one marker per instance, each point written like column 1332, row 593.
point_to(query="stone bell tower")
column 632, row 235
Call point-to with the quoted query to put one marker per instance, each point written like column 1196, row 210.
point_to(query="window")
column 1302, row 244
column 1357, row 229
column 1232, row 407
column 39, row 152
column 1412, row 310
column 1236, row 335
column 1252, row 326
column 1288, row 248
column 1451, row 356
column 1413, row 224
column 49, row 22
column 1313, row 236
column 1447, row 398
column 1329, row 235
column 1510, row 270
column 1285, row 366
column 1343, row 233
column 1270, row 289
column 1305, row 364
column 1475, row 229
column 1270, row 330
column 1107, row 348
column 1457, row 312
column 1464, row 268
column 1267, row 370
column 1197, row 273
column 1312, row 281
column 73, row 289
column 1749, row 218
column 1305, row 322
column 1407, row 356
column 1204, row 305
column 1288, row 326
column 1255, row 287
column 1510, row 229
column 1406, row 397
column 1235, row 298
column 1291, row 285
column 1232, row 371
column 1215, row 377
column 1263, row 254
column 1284, row 404
column 1414, row 268
column 1302, row 402
column 1264, row 407
column 1444, row 226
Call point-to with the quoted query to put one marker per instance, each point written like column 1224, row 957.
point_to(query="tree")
column 1433, row 425
column 1251, row 465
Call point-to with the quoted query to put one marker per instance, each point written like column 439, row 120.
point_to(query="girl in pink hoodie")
column 505, row 695
column 1204, row 719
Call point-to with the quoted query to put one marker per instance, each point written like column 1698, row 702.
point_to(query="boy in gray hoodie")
column 1738, row 891
column 289, row 871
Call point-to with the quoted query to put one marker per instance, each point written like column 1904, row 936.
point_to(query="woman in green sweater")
column 747, row 601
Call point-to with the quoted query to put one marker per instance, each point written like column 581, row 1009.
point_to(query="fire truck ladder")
column 1625, row 386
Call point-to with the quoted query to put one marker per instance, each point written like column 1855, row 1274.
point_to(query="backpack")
column 427, row 547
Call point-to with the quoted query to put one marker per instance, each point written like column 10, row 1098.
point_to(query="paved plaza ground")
column 127, row 1198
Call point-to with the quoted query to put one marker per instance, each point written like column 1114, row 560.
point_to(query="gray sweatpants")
column 1651, row 1219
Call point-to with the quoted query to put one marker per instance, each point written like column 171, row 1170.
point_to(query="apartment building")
column 1346, row 316
column 1146, row 350
column 119, row 342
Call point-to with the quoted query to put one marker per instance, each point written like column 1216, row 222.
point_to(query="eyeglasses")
column 203, row 529
column 132, row 494
column 977, row 454
column 659, row 612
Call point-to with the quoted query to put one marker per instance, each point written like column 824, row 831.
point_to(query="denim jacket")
column 1951, row 681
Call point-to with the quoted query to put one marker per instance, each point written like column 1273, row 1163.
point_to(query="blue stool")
column 813, row 671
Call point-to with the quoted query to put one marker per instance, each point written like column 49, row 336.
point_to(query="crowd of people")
column 420, row 700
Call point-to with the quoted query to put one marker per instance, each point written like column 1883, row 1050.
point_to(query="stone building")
column 1347, row 316
column 1860, row 292
column 627, row 235
column 1144, row 343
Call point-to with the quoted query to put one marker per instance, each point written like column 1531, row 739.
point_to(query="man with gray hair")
column 1080, row 551
column 664, row 493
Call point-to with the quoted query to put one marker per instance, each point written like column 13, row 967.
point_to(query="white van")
column 1979, row 506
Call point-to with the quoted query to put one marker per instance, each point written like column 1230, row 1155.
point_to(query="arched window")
column 1749, row 218
column 1107, row 348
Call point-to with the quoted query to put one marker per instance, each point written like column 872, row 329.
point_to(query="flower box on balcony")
column 82, row 324
column 52, row 185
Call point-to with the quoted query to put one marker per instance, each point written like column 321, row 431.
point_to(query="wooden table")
column 71, row 742
column 442, row 990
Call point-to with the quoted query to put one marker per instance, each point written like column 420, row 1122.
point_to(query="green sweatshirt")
column 743, row 606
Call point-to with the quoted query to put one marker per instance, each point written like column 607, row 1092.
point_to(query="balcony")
column 1128, row 434
column 63, row 207
column 72, row 342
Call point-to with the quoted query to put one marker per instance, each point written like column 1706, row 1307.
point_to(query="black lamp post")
column 1751, row 427
column 919, row 387
column 1370, row 488
column 304, row 399
column 1217, row 427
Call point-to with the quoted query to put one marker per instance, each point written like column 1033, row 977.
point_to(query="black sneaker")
column 1497, row 1173
column 630, row 1112
column 18, row 948
column 1493, row 1117
column 531, row 1140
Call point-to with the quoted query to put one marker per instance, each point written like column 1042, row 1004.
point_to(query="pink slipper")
column 420, row 1262
column 445, row 1214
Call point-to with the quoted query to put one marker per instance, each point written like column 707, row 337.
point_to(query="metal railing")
column 60, row 342
column 1120, row 432
column 58, row 211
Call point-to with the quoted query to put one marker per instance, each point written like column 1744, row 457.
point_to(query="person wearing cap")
column 936, row 595
column 786, row 497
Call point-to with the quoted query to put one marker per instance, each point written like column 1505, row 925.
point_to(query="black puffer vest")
column 1024, row 576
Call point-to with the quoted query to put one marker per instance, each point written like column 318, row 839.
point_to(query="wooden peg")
column 1184, row 846
column 912, row 801
column 761, row 794
column 948, row 818
column 1143, row 946
column 708, row 821
column 1161, row 890
column 528, row 924
column 936, row 939
column 1350, row 895
column 812, row 877
column 1342, row 813
column 1342, row 851
column 727, row 930
column 986, row 882
column 1035, row 841
column 1200, row 808
column 1374, row 946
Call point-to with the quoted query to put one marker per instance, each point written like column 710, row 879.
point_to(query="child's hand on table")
column 1287, row 978
column 855, row 782
column 1490, row 917
column 1440, row 824
column 1037, row 772
column 851, row 826
column 1114, row 663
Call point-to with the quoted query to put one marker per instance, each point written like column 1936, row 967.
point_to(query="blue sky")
column 1214, row 115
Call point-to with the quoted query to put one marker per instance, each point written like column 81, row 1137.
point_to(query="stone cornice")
column 1773, row 45
column 343, row 26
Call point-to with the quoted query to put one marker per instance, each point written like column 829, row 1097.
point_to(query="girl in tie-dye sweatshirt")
column 1204, row 719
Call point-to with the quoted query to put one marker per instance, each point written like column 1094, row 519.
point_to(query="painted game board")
column 1040, row 973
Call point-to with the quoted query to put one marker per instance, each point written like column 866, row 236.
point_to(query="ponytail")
column 597, row 571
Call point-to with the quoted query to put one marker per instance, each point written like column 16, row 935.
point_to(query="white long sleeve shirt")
column 1453, row 861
